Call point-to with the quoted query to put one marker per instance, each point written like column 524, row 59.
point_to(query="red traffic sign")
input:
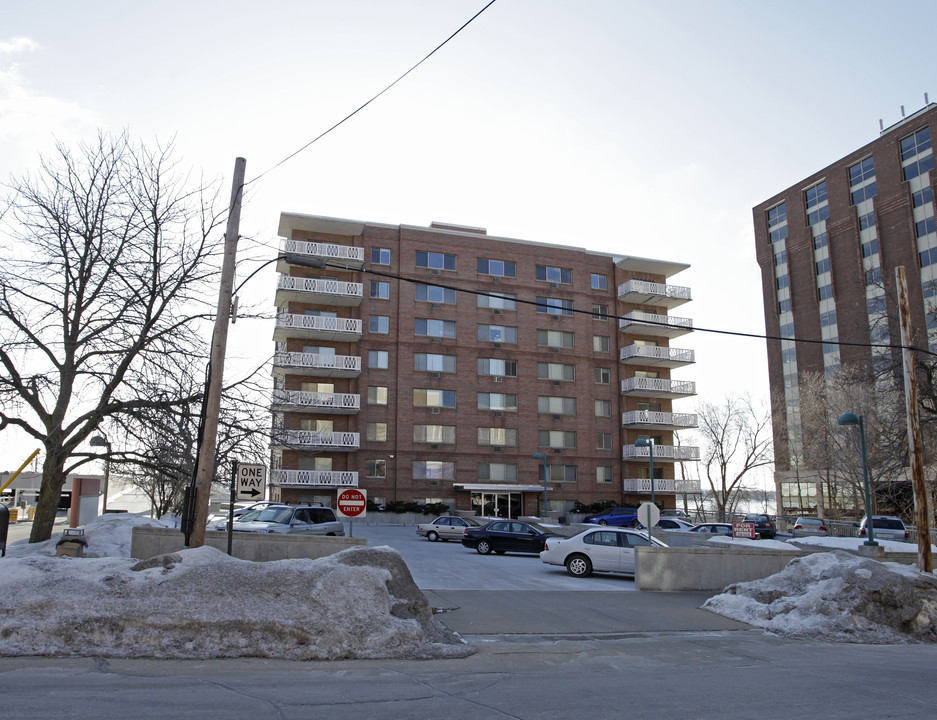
column 352, row 503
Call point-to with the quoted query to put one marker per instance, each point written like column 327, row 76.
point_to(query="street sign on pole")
column 352, row 503
column 648, row 514
column 251, row 482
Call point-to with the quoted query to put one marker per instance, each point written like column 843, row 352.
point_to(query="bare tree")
column 106, row 254
column 736, row 439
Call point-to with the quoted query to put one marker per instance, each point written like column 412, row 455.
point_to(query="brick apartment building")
column 441, row 364
column 828, row 248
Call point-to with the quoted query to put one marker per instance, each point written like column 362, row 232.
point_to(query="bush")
column 411, row 506
column 594, row 508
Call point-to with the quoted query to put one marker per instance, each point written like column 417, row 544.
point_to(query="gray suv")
column 294, row 520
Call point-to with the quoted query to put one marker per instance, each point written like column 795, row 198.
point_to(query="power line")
column 362, row 107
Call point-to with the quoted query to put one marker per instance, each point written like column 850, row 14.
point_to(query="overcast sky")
column 645, row 129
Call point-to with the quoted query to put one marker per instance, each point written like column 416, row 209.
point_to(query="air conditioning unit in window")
column 434, row 447
column 434, row 375
column 557, row 417
column 496, row 278
column 435, row 411
column 435, row 306
column 554, row 285
column 498, row 378
column 496, row 311
column 436, row 340
column 554, row 349
column 556, row 382
column 498, row 413
column 555, row 317
column 557, row 451
column 497, row 345
column 496, row 448
column 434, row 483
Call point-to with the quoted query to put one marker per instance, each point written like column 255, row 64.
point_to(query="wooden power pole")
column 915, row 447
column 206, row 455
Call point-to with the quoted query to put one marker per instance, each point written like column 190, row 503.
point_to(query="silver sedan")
column 606, row 549
column 445, row 527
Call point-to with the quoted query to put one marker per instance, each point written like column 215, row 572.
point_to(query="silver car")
column 605, row 549
column 293, row 520
column 445, row 527
column 886, row 527
column 810, row 527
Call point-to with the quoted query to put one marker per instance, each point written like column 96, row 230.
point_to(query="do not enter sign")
column 352, row 503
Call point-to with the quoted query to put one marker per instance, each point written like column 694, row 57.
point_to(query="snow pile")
column 107, row 535
column 847, row 543
column 201, row 603
column 750, row 544
column 838, row 597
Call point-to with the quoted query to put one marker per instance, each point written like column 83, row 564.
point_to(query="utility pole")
column 915, row 447
column 206, row 454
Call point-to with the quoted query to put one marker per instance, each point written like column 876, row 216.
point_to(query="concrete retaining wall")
column 148, row 542
column 668, row 569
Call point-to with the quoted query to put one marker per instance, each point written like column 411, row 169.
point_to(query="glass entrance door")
column 497, row 504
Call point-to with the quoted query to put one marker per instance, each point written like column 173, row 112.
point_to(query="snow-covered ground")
column 201, row 603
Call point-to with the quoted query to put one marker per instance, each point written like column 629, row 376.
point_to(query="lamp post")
column 546, row 473
column 853, row 419
column 649, row 444
column 101, row 441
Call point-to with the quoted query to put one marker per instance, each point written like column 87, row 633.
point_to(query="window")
column 783, row 281
column 497, row 401
column 380, row 290
column 555, row 274
column 497, row 333
column 377, row 432
column 824, row 292
column 603, row 474
column 313, row 425
column 817, row 207
column 600, row 343
column 497, row 367
column 869, row 248
column 500, row 472
column 862, row 171
column 556, row 371
column 928, row 257
column 603, row 441
column 377, row 359
column 379, row 324
column 922, row 197
column 603, row 376
column 435, row 294
column 426, row 397
column 876, row 304
column 603, row 408
column 562, row 473
column 866, row 221
column 551, row 405
column 504, row 437
column 434, row 260
column 599, row 312
column 915, row 144
column 780, row 258
column 785, row 305
column 555, row 338
column 430, row 362
column 823, row 266
column 497, row 301
column 554, row 306
column 557, row 439
column 434, row 434
column 820, row 240
column 873, row 276
column 498, row 268
column 433, row 470
column 377, row 395
column 599, row 282
column 777, row 223
column 787, row 330
column 434, row 328
column 380, row 256
column 925, row 226
column 375, row 468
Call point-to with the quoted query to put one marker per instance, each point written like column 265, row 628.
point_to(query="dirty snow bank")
column 838, row 597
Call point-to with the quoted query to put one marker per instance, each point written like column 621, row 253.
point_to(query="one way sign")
column 251, row 482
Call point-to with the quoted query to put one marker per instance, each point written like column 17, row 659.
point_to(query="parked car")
column 505, row 536
column 293, row 520
column 614, row 516
column 445, row 527
column 221, row 522
column 886, row 527
column 764, row 525
column 810, row 527
column 669, row 523
column 607, row 549
column 239, row 511
column 670, row 512
column 714, row 528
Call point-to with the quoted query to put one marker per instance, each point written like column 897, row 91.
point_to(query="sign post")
column 352, row 503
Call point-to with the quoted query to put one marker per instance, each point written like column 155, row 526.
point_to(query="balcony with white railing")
column 318, row 402
column 343, row 255
column 656, row 420
column 656, row 356
column 315, row 440
column 320, row 291
column 641, row 292
column 662, row 453
column 661, row 485
column 313, row 478
column 642, row 323
column 315, row 365
column 316, row 327
column 657, row 387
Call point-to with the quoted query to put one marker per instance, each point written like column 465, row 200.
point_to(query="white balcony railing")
column 657, row 387
column 641, row 292
column 348, row 365
column 321, row 326
column 665, row 453
column 652, row 324
column 316, row 400
column 314, row 478
column 656, row 355
column 328, row 287
column 325, row 251
column 661, row 485
column 316, row 439
column 658, row 420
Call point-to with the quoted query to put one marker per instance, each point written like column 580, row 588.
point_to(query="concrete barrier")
column 684, row 568
column 148, row 542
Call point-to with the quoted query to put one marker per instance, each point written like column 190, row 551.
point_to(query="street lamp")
column 853, row 419
column 101, row 441
column 546, row 473
column 649, row 444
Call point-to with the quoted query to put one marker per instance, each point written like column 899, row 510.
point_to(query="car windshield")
column 276, row 515
column 808, row 521
column 247, row 517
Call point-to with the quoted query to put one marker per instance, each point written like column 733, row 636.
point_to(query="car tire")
column 483, row 547
column 578, row 566
column 432, row 536
column 603, row 522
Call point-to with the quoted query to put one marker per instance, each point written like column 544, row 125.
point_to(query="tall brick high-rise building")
column 828, row 248
column 443, row 364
